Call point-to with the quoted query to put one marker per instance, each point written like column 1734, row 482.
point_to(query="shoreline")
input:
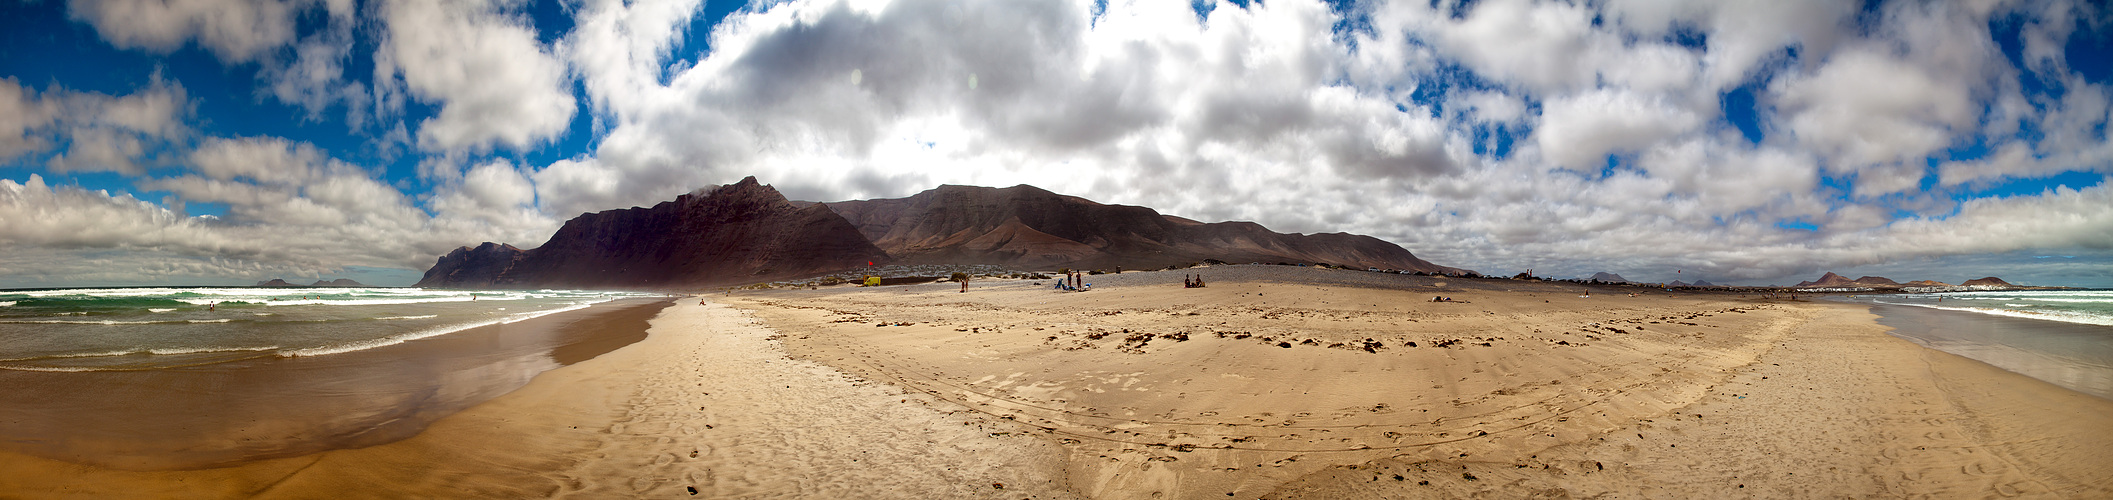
column 705, row 405
column 2074, row 356
column 280, row 406
column 1518, row 390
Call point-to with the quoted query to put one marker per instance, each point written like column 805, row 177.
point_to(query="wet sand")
column 2072, row 355
column 270, row 407
column 707, row 404
column 1271, row 383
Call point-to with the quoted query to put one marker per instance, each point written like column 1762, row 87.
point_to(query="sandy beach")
column 1272, row 382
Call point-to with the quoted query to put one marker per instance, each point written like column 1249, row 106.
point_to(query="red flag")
column 869, row 263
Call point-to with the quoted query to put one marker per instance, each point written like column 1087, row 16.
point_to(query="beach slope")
column 1305, row 383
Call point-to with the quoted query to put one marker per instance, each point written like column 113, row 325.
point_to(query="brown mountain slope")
column 740, row 233
column 1025, row 226
column 1829, row 280
column 1875, row 280
column 1988, row 281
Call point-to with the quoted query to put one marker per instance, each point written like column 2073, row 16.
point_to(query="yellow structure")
column 872, row 281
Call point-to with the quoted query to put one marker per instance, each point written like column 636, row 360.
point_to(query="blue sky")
column 211, row 142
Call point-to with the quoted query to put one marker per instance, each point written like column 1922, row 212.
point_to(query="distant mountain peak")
column 736, row 233
column 1829, row 280
column 1988, row 281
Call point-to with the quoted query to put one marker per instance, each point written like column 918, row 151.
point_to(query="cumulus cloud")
column 234, row 30
column 1476, row 134
column 1312, row 128
column 290, row 208
column 1579, row 131
column 496, row 85
column 92, row 132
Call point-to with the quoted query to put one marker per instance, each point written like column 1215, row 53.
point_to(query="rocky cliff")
column 480, row 267
column 1028, row 227
column 739, row 233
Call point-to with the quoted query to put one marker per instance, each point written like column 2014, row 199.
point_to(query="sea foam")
column 428, row 333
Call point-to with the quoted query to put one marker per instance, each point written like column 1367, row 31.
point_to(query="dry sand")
column 707, row 405
column 1261, row 385
column 1525, row 389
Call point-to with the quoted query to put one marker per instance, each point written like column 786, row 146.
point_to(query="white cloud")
column 290, row 208
column 234, row 30
column 1547, row 47
column 91, row 132
column 1278, row 120
column 1264, row 113
column 496, row 85
column 1579, row 131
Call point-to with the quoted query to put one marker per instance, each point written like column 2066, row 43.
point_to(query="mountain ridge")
column 1028, row 226
column 749, row 232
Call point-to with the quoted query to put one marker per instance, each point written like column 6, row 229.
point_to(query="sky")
column 215, row 142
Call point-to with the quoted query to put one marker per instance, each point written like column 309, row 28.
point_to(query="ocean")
column 126, row 329
column 2063, row 337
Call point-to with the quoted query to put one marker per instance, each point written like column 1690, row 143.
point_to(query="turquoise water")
column 124, row 329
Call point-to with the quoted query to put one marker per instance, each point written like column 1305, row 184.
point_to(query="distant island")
column 336, row 283
column 747, row 232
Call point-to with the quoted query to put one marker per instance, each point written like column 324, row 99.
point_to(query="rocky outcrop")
column 1608, row 277
column 1988, row 281
column 1028, row 227
column 482, row 267
column 739, row 233
column 275, row 282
